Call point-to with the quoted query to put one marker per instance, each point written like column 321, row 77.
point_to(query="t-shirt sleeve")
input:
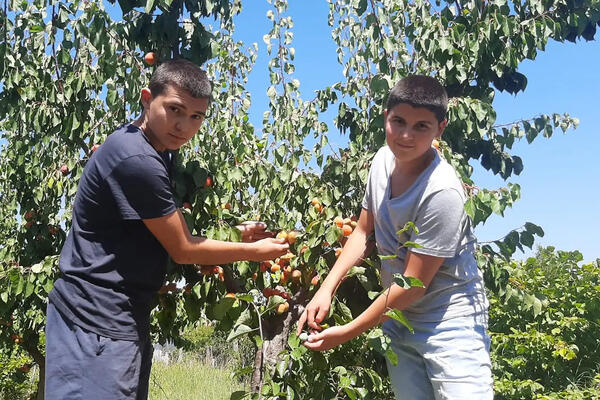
column 439, row 223
column 141, row 188
column 366, row 202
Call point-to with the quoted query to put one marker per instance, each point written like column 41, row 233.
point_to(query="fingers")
column 283, row 245
column 301, row 322
column 323, row 311
column 316, row 342
column 311, row 317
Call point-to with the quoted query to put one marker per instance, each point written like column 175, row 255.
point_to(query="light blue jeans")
column 447, row 360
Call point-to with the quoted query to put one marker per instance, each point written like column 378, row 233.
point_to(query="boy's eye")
column 197, row 116
column 174, row 109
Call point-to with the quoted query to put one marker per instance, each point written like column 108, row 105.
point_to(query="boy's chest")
column 399, row 184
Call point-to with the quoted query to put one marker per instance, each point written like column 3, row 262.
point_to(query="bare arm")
column 420, row 266
column 172, row 232
column 354, row 249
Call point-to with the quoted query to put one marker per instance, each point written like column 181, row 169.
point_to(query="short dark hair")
column 420, row 91
column 182, row 74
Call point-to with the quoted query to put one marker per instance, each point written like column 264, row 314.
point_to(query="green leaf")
column 399, row 316
column 412, row 245
column 149, row 6
column 239, row 330
column 222, row 307
column 36, row 28
column 406, row 282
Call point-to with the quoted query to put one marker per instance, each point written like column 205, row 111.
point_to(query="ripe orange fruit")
column 436, row 144
column 315, row 280
column 275, row 268
column 347, row 230
column 338, row 251
column 209, row 182
column 254, row 276
column 282, row 235
column 303, row 249
column 339, row 221
column 283, row 307
column 230, row 295
column 64, row 169
column 318, row 207
column 292, row 236
column 217, row 269
column 226, row 206
column 315, row 201
column 150, row 58
column 285, row 277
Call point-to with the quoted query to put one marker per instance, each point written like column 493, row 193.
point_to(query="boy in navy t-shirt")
column 125, row 226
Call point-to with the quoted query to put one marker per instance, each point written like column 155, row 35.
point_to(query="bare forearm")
column 199, row 250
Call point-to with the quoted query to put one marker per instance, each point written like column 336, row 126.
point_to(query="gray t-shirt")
column 435, row 204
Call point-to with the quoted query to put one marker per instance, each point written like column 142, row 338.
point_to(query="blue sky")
column 559, row 188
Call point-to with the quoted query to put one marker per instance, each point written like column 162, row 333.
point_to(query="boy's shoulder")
column 127, row 139
column 443, row 176
column 127, row 147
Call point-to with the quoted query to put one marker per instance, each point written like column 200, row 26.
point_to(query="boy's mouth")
column 177, row 137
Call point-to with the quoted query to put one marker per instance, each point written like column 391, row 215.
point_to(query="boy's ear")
column 146, row 97
column 441, row 127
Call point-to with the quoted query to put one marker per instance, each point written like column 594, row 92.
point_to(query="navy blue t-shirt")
column 111, row 264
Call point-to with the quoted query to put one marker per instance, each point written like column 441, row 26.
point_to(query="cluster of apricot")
column 287, row 272
column 213, row 270
column 347, row 225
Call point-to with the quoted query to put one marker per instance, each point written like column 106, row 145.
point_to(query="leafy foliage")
column 551, row 346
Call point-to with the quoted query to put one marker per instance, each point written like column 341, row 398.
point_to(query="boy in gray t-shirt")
column 447, row 357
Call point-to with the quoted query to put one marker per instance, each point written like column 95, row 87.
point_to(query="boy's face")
column 410, row 130
column 172, row 118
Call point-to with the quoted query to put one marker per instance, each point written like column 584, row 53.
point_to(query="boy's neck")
column 416, row 166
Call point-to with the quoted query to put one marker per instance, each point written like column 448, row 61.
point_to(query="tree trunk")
column 275, row 334
column 31, row 347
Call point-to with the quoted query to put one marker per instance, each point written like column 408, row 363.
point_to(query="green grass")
column 191, row 380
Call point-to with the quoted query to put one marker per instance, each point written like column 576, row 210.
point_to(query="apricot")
column 347, row 230
column 283, row 307
column 150, row 58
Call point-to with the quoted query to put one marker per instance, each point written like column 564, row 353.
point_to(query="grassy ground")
column 191, row 380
